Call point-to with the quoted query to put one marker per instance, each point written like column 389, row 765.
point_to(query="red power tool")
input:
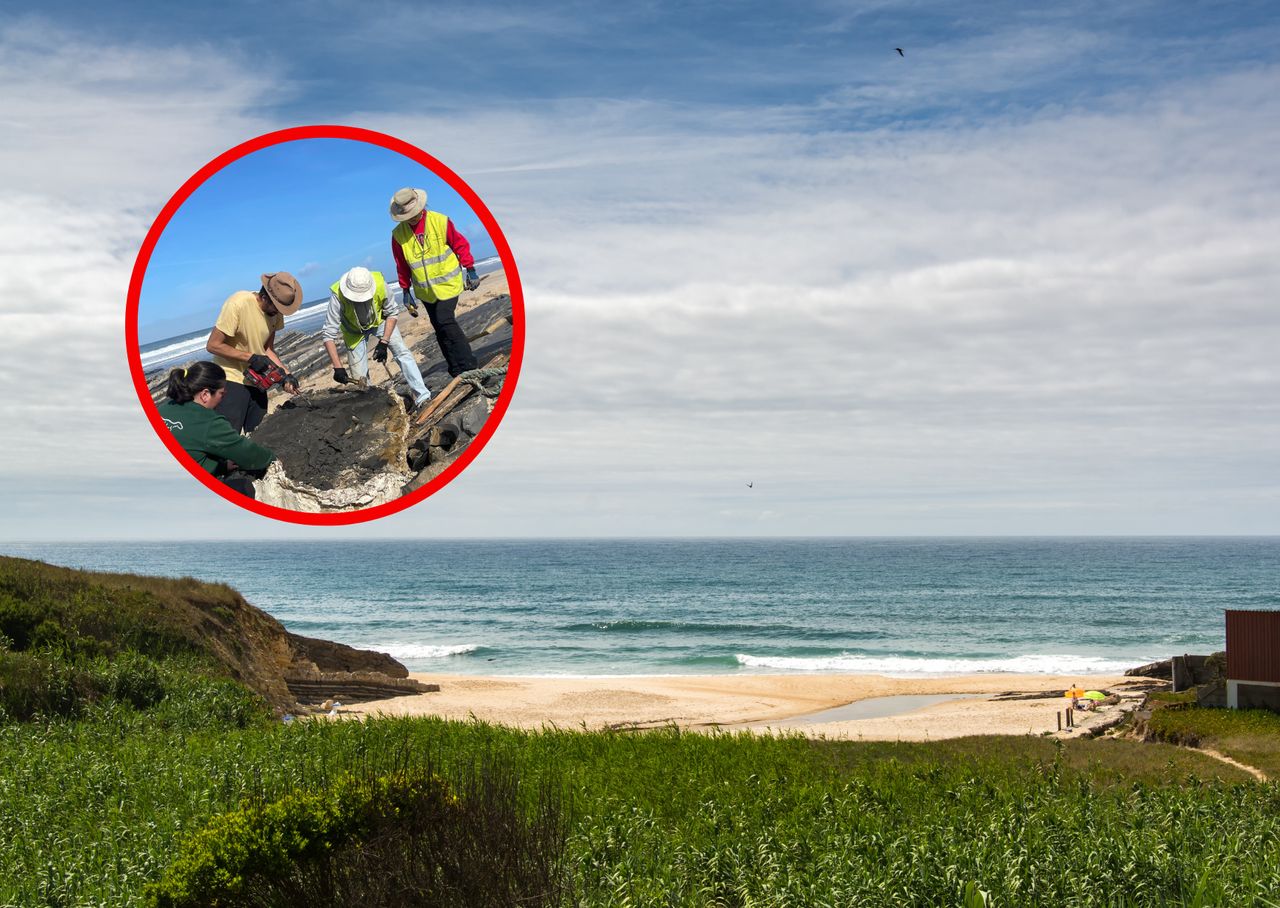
column 264, row 380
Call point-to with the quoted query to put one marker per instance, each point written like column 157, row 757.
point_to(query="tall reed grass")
column 95, row 808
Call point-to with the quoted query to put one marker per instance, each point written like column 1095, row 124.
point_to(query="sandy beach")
column 757, row 702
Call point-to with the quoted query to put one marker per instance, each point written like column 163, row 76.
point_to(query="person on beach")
column 245, row 335
column 190, row 412
column 431, row 256
column 1075, row 692
column 360, row 310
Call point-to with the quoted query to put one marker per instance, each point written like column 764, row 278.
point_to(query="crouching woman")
column 205, row 434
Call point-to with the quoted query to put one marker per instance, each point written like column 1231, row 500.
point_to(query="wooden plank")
column 452, row 395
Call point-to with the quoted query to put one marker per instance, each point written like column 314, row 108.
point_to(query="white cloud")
column 1076, row 305
column 91, row 123
column 97, row 137
column 1040, row 321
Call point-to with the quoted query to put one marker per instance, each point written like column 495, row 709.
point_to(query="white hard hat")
column 357, row 285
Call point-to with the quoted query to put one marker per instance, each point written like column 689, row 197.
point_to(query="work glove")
column 259, row 363
column 340, row 376
column 290, row 384
column 380, row 352
column 472, row 280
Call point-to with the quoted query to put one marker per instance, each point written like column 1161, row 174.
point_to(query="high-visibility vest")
column 353, row 329
column 437, row 275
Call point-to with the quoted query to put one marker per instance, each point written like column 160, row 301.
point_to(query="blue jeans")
column 358, row 360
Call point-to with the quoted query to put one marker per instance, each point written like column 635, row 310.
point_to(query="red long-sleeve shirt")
column 456, row 241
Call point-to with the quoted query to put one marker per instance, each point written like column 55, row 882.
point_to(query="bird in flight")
column 751, row 485
column 899, row 50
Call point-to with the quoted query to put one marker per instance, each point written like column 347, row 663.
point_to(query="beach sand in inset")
column 739, row 701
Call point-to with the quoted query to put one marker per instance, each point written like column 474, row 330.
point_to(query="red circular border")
column 338, row 518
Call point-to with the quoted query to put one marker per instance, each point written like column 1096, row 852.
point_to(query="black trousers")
column 243, row 406
column 241, row 482
column 453, row 343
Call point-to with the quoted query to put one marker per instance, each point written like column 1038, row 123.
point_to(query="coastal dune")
column 759, row 702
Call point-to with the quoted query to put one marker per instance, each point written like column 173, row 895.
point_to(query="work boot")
column 413, row 311
column 417, row 405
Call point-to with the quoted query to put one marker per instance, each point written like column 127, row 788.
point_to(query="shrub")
column 404, row 839
column 193, row 701
column 33, row 685
column 49, row 635
column 18, row 621
column 134, row 679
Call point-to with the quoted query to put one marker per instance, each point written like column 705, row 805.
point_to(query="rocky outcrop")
column 311, row 689
column 1162, row 670
column 327, row 656
column 447, row 426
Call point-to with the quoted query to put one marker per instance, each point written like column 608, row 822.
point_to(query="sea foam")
column 424, row 650
column 903, row 666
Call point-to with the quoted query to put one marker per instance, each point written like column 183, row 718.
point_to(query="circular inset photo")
column 325, row 325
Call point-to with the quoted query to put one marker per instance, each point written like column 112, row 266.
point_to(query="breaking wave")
column 1048, row 664
column 425, row 651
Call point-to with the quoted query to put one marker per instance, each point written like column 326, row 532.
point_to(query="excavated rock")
column 336, row 450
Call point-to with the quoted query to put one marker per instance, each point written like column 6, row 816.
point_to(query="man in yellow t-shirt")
column 245, row 335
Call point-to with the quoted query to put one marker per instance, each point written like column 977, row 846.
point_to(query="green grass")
column 134, row 737
column 1251, row 736
column 95, row 808
column 43, row 606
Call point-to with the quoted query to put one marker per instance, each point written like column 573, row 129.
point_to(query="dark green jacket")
column 208, row 437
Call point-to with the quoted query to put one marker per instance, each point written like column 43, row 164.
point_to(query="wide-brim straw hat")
column 284, row 291
column 408, row 203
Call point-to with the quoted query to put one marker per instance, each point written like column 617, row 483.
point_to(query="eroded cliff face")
column 213, row 620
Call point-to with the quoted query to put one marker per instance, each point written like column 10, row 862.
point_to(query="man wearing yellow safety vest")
column 360, row 310
column 430, row 257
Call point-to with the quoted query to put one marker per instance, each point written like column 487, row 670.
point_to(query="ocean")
column 900, row 607
column 167, row 352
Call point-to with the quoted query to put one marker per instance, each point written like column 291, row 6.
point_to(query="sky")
column 312, row 207
column 1019, row 280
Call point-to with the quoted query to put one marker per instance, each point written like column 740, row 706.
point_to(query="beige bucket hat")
column 283, row 290
column 408, row 203
column 358, row 285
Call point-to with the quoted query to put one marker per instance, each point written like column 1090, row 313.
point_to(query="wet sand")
column 758, row 702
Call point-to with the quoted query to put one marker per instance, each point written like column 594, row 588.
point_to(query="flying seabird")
column 899, row 50
column 751, row 485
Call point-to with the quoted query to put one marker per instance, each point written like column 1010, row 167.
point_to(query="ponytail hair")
column 185, row 384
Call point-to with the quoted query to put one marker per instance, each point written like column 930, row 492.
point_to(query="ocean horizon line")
column 397, row 537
